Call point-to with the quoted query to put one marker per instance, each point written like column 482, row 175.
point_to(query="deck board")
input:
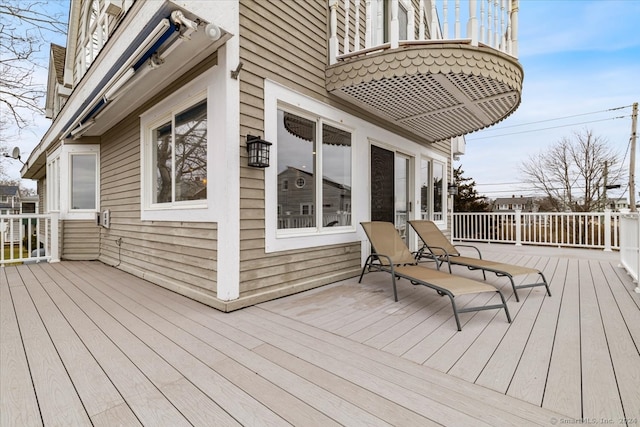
column 117, row 350
column 62, row 405
column 17, row 395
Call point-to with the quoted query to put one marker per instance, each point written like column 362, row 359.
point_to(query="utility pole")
column 632, row 160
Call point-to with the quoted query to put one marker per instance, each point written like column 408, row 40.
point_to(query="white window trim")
column 60, row 191
column 205, row 86
column 363, row 133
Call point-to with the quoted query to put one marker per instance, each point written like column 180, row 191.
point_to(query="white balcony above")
column 415, row 68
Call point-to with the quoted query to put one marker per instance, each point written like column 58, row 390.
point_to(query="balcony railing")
column 583, row 230
column 28, row 238
column 492, row 23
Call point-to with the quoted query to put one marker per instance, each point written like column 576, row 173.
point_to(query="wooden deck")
column 82, row 343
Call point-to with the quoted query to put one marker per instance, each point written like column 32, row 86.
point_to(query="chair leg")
column 455, row 311
column 546, row 285
column 366, row 264
column 513, row 285
column 504, row 303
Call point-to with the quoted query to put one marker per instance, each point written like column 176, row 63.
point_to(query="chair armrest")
column 469, row 246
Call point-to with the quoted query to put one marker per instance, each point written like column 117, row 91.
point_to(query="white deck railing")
column 28, row 238
column 583, row 229
column 630, row 245
column 490, row 22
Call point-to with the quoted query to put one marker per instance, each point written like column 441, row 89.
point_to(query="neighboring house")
column 10, row 201
column 296, row 201
column 617, row 205
column 513, row 203
column 155, row 100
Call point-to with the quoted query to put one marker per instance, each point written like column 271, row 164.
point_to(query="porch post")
column 607, row 230
column 518, row 227
column 394, row 33
column 472, row 24
column 55, row 238
column 333, row 37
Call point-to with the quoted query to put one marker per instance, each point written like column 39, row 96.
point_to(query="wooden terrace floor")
column 82, row 343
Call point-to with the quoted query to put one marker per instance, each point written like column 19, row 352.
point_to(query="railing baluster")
column 421, row 16
column 434, row 21
column 472, row 25
column 445, row 19
column 347, row 18
column 456, row 26
column 496, row 29
column 333, row 31
column 356, row 36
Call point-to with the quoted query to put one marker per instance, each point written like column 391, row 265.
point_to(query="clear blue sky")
column 579, row 57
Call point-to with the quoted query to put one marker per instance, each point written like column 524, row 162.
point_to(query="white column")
column 518, row 227
column 394, row 26
column 345, row 45
column 472, row 24
column 514, row 27
column 333, row 31
column 55, row 238
column 607, row 230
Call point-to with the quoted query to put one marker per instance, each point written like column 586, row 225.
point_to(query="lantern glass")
column 258, row 151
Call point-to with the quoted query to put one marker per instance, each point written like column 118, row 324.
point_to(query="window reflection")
column 83, row 181
column 180, row 156
column 438, row 194
column 296, row 163
column 302, row 205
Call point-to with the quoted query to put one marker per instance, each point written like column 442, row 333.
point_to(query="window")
column 178, row 147
column 53, row 183
column 94, row 34
column 73, row 181
column 83, row 181
column 432, row 194
column 305, row 146
column 438, row 191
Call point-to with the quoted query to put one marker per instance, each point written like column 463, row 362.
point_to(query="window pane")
column 438, row 176
column 424, row 189
column 191, row 153
column 336, row 177
column 296, row 164
column 83, row 181
column 162, row 159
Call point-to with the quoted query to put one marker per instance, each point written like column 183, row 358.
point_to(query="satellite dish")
column 15, row 153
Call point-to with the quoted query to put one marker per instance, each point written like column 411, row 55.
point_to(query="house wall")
column 286, row 42
column 181, row 256
column 80, row 240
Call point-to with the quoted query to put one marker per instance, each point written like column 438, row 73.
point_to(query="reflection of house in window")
column 296, row 207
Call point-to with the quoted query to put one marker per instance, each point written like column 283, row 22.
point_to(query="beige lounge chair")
column 437, row 247
column 389, row 253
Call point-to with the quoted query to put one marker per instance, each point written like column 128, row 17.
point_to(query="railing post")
column 518, row 227
column 368, row 31
column 55, row 255
column 394, row 26
column 472, row 24
column 345, row 44
column 514, row 27
column 333, row 28
column 607, row 230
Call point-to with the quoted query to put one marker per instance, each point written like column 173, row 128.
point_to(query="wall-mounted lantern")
column 452, row 190
column 258, row 150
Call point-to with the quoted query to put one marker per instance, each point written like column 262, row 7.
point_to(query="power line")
column 552, row 127
column 560, row 118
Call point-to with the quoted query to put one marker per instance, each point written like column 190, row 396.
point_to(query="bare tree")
column 571, row 173
column 25, row 28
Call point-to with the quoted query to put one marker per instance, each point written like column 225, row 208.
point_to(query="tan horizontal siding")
column 179, row 255
column 80, row 240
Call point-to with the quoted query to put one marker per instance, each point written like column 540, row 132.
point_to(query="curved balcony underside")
column 436, row 91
